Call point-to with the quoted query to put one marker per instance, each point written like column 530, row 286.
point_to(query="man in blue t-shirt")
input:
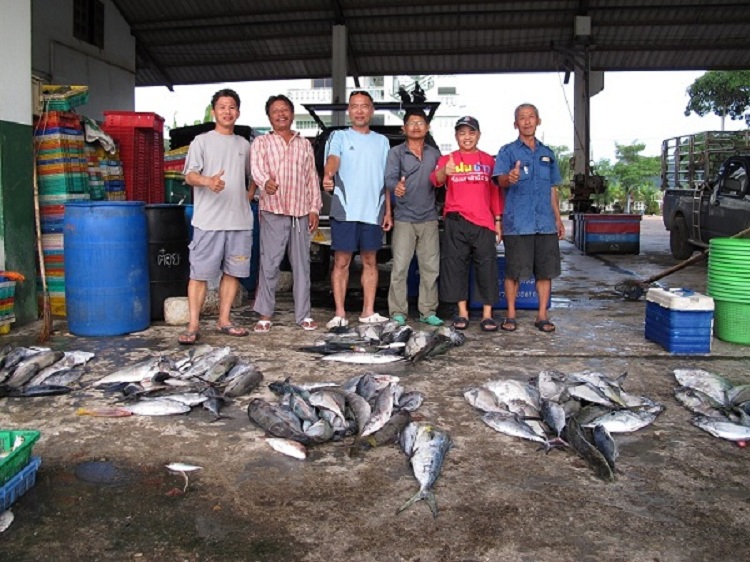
column 354, row 170
column 527, row 170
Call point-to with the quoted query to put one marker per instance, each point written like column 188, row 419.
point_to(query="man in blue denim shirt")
column 527, row 170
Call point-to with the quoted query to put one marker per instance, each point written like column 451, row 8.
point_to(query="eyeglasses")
column 415, row 123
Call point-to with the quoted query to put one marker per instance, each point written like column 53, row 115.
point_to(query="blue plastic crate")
column 19, row 484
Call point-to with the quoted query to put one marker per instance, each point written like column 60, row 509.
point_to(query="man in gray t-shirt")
column 415, row 220
column 217, row 166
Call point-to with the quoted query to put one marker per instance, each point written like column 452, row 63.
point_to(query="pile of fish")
column 39, row 371
column 721, row 408
column 557, row 410
column 373, row 409
column 373, row 344
column 163, row 386
column 315, row 413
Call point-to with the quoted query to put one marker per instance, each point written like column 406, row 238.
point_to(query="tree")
column 721, row 93
column 563, row 156
column 633, row 171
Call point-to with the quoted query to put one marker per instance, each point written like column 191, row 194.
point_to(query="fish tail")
column 83, row 412
column 556, row 443
column 426, row 495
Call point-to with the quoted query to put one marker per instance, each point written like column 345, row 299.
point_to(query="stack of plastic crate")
column 62, row 177
column 106, row 181
column 17, row 467
column 175, row 188
column 140, row 137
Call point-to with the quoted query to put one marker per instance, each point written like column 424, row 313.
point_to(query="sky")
column 645, row 107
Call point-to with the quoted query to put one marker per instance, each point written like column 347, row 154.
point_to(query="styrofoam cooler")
column 680, row 320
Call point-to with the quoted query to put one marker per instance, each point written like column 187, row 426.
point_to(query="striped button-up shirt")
column 292, row 165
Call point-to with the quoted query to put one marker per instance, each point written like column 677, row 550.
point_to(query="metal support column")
column 338, row 71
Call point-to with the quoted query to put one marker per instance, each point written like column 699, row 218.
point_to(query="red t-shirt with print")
column 471, row 191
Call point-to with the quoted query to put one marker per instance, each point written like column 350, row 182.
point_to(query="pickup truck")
column 704, row 177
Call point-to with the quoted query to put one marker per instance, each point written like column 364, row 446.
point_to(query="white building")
column 386, row 88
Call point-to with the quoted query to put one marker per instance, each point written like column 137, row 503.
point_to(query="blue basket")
column 19, row 484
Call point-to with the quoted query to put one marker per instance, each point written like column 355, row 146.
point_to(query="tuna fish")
column 722, row 429
column 287, row 447
column 426, row 447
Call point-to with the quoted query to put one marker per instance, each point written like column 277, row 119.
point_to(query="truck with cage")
column 704, row 178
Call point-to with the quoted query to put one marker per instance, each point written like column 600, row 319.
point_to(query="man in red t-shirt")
column 473, row 224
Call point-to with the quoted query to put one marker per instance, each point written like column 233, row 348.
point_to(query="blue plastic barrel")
column 106, row 267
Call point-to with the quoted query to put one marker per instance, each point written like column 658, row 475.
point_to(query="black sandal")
column 488, row 325
column 544, row 326
column 460, row 322
column 509, row 325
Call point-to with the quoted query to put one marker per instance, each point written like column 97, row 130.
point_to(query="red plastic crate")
column 134, row 119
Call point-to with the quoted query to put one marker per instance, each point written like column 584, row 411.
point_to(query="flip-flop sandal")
column 188, row 338
column 308, row 324
column 262, row 326
column 509, row 324
column 488, row 325
column 232, row 330
column 544, row 326
column 460, row 322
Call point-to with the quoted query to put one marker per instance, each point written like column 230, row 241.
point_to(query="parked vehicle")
column 704, row 177
column 320, row 249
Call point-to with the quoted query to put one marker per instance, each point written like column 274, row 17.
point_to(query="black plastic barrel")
column 106, row 267
column 168, row 264
column 251, row 283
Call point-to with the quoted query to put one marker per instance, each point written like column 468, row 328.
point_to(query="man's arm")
column 556, row 210
column 392, row 170
column 214, row 183
column 330, row 169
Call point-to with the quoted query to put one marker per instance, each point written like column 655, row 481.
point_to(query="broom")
column 633, row 289
column 46, row 331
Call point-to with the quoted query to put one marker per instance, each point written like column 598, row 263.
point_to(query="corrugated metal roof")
column 203, row 41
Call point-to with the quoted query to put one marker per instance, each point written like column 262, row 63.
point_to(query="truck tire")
column 679, row 244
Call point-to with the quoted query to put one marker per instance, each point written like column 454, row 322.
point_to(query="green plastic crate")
column 15, row 461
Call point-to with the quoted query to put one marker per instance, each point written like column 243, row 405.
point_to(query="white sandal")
column 337, row 322
column 262, row 326
column 308, row 324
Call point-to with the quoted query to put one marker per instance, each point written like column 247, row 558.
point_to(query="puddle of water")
column 102, row 473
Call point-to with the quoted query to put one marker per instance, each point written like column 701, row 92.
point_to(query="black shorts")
column 528, row 255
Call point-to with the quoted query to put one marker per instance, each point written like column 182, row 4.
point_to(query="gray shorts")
column 532, row 254
column 212, row 251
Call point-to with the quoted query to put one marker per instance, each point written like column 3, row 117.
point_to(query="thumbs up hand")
column 450, row 166
column 215, row 183
column 271, row 184
column 515, row 174
column 400, row 190
column 328, row 181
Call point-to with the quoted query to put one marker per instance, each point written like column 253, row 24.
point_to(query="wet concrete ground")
column 102, row 492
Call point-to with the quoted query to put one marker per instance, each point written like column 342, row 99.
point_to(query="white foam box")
column 680, row 320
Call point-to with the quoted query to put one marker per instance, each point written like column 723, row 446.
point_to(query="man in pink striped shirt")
column 283, row 167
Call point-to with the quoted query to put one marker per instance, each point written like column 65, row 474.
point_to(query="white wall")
column 60, row 58
column 15, row 37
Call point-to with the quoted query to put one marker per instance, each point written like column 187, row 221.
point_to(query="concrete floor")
column 679, row 493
